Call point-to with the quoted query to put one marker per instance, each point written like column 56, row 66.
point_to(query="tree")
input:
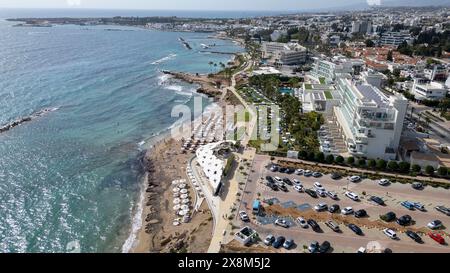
column 381, row 164
column 393, row 165
column 369, row 43
column 302, row 154
column 362, row 162
column 371, row 163
column 339, row 160
column 351, row 160
column 404, row 167
column 429, row 170
column 416, row 168
column 311, row 155
column 443, row 171
column 320, row 157
column 329, row 159
column 389, row 57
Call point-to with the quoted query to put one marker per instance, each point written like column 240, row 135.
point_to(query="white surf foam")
column 165, row 59
column 135, row 226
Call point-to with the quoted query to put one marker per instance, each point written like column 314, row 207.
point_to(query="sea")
column 70, row 180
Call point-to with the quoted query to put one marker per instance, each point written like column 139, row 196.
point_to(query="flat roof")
column 369, row 92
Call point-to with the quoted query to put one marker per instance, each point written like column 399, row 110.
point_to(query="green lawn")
column 308, row 86
column 328, row 95
column 322, row 80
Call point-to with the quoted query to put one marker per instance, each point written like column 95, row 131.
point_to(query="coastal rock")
column 153, row 222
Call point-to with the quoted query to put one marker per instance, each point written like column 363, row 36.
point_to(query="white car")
column 298, row 188
column 244, row 216
column 321, row 192
column 299, row 171
column 435, row 224
column 281, row 223
column 384, row 182
column 321, row 207
column 347, row 211
column 390, row 233
column 278, row 179
column 355, row 179
column 318, row 186
column 332, row 195
column 297, row 182
column 307, row 173
column 352, row 196
column 269, row 240
column 302, row 222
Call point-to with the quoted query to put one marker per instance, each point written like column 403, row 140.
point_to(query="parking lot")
column 347, row 240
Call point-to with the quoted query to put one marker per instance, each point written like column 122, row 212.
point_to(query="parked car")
column 357, row 230
column 377, row 200
column 290, row 170
column 288, row 181
column 282, row 187
column 314, row 225
column 437, row 237
column 298, row 188
column 436, row 224
column 311, row 193
column 355, row 179
column 405, row 220
column 270, row 179
column 274, row 187
column 318, row 186
column 321, row 207
column 347, row 211
column 332, row 195
column 282, row 223
column 333, row 225
column 388, row 217
column 274, row 168
column 278, row 179
column 307, row 173
column 336, row 176
column 408, row 205
column 360, row 213
column 414, row 236
column 384, row 182
column 297, row 182
column 417, row 185
column 314, row 247
column 244, row 216
column 299, row 171
column 325, row 247
column 302, row 222
column 419, row 206
column 390, row 233
column 269, row 240
column 288, row 244
column 317, row 174
column 279, row 242
column 334, row 208
column 443, row 209
column 352, row 196
column 282, row 170
column 361, row 250
column 321, row 192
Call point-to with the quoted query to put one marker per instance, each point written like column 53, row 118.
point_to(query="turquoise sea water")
column 73, row 174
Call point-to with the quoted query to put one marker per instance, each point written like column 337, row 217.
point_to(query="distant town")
column 362, row 162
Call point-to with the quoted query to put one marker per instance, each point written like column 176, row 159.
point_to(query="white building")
column 329, row 70
column 371, row 123
column 394, row 38
column 285, row 54
column 428, row 90
column 437, row 73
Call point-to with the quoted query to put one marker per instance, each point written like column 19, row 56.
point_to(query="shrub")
column 416, row 168
column 351, row 160
column 393, row 165
column 329, row 159
column 404, row 167
column 371, row 163
column 381, row 164
column 319, row 157
column 302, row 155
column 339, row 159
column 362, row 162
column 311, row 155
column 443, row 171
column 429, row 170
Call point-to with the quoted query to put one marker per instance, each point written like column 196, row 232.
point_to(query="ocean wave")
column 135, row 225
column 167, row 58
column 180, row 90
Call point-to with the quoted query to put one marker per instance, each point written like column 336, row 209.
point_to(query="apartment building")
column 424, row 89
column 330, row 69
column 285, row 54
column 370, row 122
column 394, row 38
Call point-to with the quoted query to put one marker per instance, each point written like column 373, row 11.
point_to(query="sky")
column 259, row 5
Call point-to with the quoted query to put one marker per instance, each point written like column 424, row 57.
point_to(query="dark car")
column 282, row 187
column 388, row 217
column 290, row 170
column 311, row 193
column 282, row 170
column 273, row 186
column 414, row 236
column 325, row 247
column 377, row 200
column 314, row 247
column 336, row 176
column 417, row 185
column 270, row 179
column 405, row 220
column 314, row 225
column 279, row 242
column 334, row 208
column 443, row 210
column 355, row 229
column 360, row 213
column 317, row 174
column 288, row 181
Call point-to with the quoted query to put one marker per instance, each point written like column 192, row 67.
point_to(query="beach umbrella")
column 177, row 207
column 176, row 194
column 184, row 191
column 184, row 196
column 184, row 207
column 176, row 190
column 185, row 201
column 176, row 223
column 182, row 213
column 177, row 201
column 182, row 186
